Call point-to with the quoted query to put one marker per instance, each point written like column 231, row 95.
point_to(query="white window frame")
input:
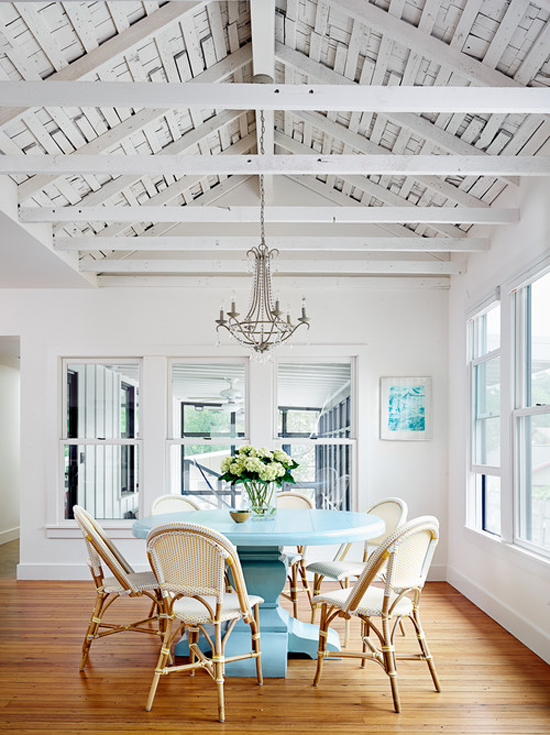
column 64, row 441
column 475, row 510
column 521, row 410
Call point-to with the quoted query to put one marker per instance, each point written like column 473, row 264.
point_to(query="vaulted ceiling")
column 396, row 133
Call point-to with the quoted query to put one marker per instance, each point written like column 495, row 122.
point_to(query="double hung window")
column 485, row 447
column 100, row 442
column 532, row 416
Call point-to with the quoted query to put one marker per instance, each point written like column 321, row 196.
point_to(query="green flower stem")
column 260, row 493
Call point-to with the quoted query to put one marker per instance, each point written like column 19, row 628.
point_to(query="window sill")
column 517, row 555
column 71, row 530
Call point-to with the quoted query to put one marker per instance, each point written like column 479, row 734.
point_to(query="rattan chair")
column 394, row 512
column 172, row 504
column 124, row 581
column 405, row 556
column 189, row 563
column 296, row 560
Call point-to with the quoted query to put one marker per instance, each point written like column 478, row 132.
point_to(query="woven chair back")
column 408, row 553
column 172, row 504
column 101, row 550
column 293, row 500
column 190, row 559
column 393, row 512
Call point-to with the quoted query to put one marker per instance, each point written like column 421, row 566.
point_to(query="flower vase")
column 262, row 500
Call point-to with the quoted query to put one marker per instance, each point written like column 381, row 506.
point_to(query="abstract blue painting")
column 405, row 409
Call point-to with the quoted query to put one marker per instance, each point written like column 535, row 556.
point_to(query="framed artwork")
column 405, row 408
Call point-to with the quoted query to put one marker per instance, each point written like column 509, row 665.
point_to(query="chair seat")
column 371, row 602
column 140, row 580
column 338, row 570
column 191, row 611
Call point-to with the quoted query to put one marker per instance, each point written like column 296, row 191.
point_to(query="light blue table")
column 259, row 546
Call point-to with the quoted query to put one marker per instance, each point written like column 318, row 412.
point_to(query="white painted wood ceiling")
column 396, row 132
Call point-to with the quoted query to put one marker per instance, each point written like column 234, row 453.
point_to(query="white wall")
column 509, row 584
column 399, row 329
column 9, row 454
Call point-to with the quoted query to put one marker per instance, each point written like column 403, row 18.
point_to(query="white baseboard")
column 57, row 572
column 12, row 534
column 535, row 638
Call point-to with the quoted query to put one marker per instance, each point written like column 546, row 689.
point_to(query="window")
column 315, row 424
column 532, row 416
column 100, row 443
column 208, row 421
column 484, row 336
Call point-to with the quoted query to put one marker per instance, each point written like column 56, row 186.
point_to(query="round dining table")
column 260, row 547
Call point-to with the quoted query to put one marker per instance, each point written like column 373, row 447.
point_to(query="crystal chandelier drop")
column 263, row 327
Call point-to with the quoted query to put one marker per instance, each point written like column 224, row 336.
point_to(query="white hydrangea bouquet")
column 260, row 471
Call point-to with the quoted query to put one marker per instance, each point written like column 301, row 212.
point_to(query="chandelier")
column 263, row 327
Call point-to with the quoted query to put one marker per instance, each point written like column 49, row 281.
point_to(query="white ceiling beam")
column 325, row 243
column 280, row 164
column 294, row 267
column 344, row 97
column 291, row 214
column 107, row 52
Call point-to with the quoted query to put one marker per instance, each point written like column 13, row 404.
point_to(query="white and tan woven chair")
column 296, row 560
column 405, row 556
column 123, row 582
column 189, row 563
column 172, row 504
column 393, row 512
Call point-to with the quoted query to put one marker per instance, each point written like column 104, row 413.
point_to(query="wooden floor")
column 491, row 683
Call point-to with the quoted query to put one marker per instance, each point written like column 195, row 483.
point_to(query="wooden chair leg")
column 93, row 627
column 305, row 583
column 388, row 651
column 317, row 580
column 255, row 628
column 293, row 579
column 218, row 661
column 323, row 633
column 164, row 656
column 426, row 655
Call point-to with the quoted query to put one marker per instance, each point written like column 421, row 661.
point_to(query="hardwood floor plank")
column 491, row 683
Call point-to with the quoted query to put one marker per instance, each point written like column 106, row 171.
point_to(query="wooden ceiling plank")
column 43, row 35
column 535, row 58
column 514, row 13
column 82, row 22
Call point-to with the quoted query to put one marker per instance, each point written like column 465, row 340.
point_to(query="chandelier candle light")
column 263, row 327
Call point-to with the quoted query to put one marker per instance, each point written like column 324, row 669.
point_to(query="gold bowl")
column 239, row 516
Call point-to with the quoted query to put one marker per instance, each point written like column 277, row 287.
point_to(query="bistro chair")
column 296, row 560
column 189, row 563
column 404, row 557
column 172, row 504
column 124, row 581
column 393, row 512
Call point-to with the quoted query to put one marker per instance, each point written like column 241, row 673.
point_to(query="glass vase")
column 262, row 500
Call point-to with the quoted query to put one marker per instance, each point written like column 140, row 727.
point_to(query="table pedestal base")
column 265, row 575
